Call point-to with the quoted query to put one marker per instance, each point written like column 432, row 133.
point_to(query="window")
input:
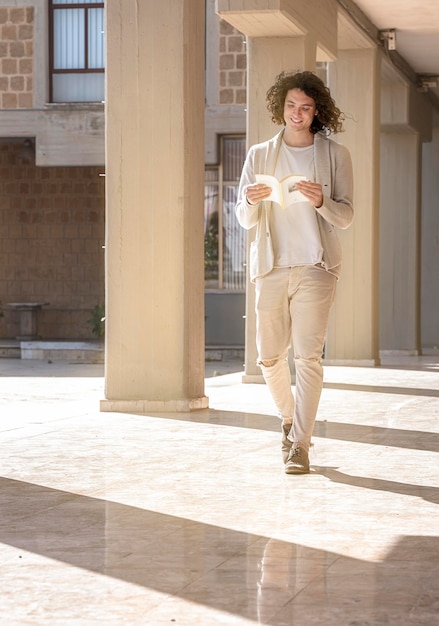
column 76, row 51
column 224, row 238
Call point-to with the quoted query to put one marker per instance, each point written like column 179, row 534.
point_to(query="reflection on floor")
column 189, row 519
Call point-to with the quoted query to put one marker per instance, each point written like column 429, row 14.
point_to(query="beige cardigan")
column 333, row 168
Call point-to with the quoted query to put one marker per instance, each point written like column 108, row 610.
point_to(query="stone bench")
column 78, row 351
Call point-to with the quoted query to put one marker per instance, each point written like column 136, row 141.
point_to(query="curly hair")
column 329, row 118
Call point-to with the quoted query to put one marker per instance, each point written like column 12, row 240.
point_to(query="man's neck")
column 299, row 139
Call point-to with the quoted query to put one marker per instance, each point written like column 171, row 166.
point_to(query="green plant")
column 211, row 252
column 97, row 321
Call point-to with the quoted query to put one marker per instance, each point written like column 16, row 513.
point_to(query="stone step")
column 77, row 351
column 89, row 351
column 10, row 352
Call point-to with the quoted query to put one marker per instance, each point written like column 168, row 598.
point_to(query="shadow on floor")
column 259, row 578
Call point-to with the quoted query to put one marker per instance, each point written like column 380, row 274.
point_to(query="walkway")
column 189, row 520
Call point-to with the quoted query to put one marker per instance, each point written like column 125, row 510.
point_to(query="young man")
column 295, row 259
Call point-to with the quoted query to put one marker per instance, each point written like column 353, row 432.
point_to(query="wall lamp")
column 427, row 82
column 389, row 35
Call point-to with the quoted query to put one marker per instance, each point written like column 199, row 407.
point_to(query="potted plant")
column 97, row 321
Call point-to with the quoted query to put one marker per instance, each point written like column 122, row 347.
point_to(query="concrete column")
column 399, row 243
column 281, row 35
column 430, row 245
column 155, row 176
column 285, row 35
column 406, row 121
column 267, row 57
column 354, row 80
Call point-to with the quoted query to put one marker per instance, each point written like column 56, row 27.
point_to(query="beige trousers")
column 292, row 308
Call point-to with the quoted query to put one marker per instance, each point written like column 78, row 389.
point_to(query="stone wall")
column 232, row 65
column 16, row 57
column 52, row 237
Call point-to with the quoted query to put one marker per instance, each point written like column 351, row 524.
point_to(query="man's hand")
column 312, row 191
column 256, row 193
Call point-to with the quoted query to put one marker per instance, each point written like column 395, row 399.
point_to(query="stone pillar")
column 285, row 35
column 406, row 121
column 399, row 244
column 430, row 244
column 155, row 176
column 354, row 81
column 267, row 57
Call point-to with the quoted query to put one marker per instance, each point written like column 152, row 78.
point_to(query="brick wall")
column 232, row 65
column 52, row 233
column 16, row 57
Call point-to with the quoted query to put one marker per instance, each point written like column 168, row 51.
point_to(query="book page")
column 283, row 192
column 290, row 194
column 270, row 181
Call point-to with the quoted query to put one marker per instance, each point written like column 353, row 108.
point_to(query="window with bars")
column 224, row 238
column 77, row 57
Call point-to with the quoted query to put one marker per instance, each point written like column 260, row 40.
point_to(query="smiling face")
column 299, row 112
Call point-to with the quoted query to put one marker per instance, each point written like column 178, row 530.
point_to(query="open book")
column 283, row 191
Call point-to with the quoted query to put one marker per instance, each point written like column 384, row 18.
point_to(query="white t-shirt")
column 294, row 230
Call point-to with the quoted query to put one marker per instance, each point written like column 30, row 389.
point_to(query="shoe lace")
column 296, row 451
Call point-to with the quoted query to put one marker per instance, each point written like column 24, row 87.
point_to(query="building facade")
column 52, row 201
column 52, row 157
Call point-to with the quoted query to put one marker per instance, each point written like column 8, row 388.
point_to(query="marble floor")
column 189, row 519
